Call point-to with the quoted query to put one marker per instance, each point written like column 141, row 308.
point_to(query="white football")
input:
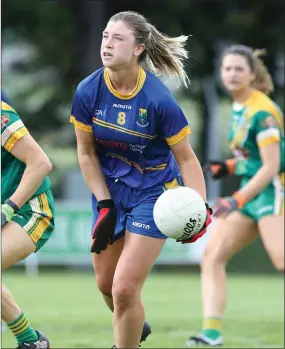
column 180, row 213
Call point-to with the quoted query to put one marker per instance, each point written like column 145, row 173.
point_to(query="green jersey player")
column 256, row 139
column 27, row 212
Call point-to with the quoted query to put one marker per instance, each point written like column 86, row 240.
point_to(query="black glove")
column 104, row 229
column 224, row 206
column 8, row 209
column 219, row 168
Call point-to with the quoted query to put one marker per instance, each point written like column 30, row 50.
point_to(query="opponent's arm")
column 270, row 156
column 38, row 166
column 268, row 141
column 90, row 165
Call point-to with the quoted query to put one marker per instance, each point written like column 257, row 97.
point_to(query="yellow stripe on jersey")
column 155, row 168
column 268, row 136
column 259, row 101
column 134, row 164
column 171, row 185
column 267, row 141
column 80, row 125
column 131, row 163
column 122, row 129
column 140, row 81
column 179, row 136
column 14, row 138
column 6, row 107
column 42, row 223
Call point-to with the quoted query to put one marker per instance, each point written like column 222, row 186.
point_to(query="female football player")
column 256, row 138
column 132, row 141
column 27, row 213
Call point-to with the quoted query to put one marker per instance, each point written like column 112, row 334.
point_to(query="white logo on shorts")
column 141, row 225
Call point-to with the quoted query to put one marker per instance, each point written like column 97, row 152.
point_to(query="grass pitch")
column 68, row 308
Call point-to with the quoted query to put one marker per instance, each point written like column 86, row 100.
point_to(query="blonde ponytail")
column 162, row 54
column 263, row 80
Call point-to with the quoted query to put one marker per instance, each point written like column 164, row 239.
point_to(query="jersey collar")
column 139, row 85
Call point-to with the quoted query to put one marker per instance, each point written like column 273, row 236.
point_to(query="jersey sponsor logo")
column 137, row 147
column 142, row 118
column 122, row 106
column 269, row 122
column 141, row 225
column 112, row 144
column 99, row 112
column 4, row 120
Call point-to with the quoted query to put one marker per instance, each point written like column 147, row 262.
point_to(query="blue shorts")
column 134, row 208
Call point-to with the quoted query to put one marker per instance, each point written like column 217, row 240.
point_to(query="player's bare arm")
column 189, row 166
column 270, row 156
column 90, row 166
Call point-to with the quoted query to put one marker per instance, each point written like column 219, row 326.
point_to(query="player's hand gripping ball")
column 182, row 214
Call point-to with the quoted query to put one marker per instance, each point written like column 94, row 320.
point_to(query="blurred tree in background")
column 49, row 46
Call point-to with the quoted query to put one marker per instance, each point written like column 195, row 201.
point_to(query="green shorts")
column 269, row 202
column 36, row 217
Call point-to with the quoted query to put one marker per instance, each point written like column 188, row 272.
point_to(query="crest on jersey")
column 4, row 120
column 142, row 118
column 269, row 122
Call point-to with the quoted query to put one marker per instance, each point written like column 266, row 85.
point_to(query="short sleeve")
column 12, row 127
column 174, row 125
column 267, row 128
column 81, row 115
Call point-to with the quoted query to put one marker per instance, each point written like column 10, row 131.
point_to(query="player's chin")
column 233, row 87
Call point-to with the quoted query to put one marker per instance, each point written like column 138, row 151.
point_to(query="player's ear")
column 139, row 49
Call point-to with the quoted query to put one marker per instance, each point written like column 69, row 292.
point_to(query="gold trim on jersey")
column 140, row 81
column 179, row 136
column 257, row 102
column 136, row 165
column 269, row 136
column 15, row 137
column 122, row 129
column 268, row 141
column 6, row 107
column 171, row 185
column 80, row 125
column 12, row 134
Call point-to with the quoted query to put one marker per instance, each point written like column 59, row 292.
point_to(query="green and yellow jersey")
column 256, row 123
column 12, row 169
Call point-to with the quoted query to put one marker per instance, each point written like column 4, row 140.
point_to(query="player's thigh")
column 271, row 229
column 137, row 259
column 105, row 264
column 230, row 235
column 16, row 244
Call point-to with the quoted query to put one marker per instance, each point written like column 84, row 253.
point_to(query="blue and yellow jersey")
column 256, row 123
column 133, row 131
column 12, row 169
